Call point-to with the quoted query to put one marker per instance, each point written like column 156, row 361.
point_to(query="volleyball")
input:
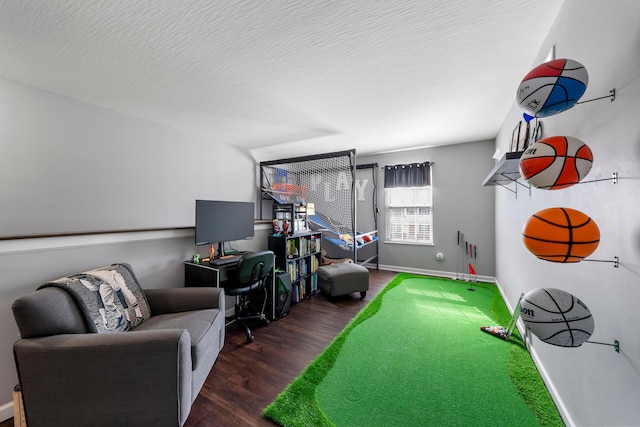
column 552, row 87
column 561, row 235
column 556, row 162
column 556, row 317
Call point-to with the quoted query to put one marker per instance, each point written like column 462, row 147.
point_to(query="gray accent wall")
column 70, row 166
column 460, row 203
column 592, row 384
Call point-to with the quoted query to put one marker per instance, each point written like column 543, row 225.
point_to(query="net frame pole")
column 352, row 166
column 308, row 158
column 373, row 169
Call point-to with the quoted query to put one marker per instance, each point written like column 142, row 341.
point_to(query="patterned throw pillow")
column 110, row 297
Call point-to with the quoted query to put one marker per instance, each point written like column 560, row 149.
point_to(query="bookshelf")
column 300, row 256
column 289, row 218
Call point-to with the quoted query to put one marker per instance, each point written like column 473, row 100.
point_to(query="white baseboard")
column 436, row 273
column 526, row 338
column 6, row 411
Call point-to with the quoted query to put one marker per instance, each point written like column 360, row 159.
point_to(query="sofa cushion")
column 204, row 327
column 46, row 312
column 109, row 297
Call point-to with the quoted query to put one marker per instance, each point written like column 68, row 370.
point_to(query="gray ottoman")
column 342, row 279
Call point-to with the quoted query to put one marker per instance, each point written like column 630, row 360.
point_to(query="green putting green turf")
column 416, row 356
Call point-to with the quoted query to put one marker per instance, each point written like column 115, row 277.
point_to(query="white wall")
column 594, row 385
column 70, row 166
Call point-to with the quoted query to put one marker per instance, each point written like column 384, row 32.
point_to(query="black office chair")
column 252, row 274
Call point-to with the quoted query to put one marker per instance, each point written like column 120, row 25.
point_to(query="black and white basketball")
column 556, row 317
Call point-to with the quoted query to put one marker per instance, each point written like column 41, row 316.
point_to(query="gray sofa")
column 96, row 349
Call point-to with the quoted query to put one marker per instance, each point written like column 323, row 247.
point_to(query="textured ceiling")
column 285, row 78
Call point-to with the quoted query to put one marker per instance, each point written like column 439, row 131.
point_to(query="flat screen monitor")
column 220, row 221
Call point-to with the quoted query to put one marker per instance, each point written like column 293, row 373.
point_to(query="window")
column 408, row 203
column 409, row 215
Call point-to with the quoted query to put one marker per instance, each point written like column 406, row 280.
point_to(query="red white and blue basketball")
column 552, row 87
column 556, row 162
column 556, row 317
column 561, row 235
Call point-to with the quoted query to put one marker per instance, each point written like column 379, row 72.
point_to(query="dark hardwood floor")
column 248, row 377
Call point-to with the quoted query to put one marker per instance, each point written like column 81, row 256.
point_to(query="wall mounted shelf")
column 507, row 172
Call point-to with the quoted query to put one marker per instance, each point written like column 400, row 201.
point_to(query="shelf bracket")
column 616, row 261
column 611, row 96
column 509, row 180
column 507, row 187
column 614, row 179
column 615, row 345
column 507, row 171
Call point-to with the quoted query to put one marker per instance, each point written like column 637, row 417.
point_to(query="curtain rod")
column 430, row 164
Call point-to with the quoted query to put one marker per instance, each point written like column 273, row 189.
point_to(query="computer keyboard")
column 226, row 260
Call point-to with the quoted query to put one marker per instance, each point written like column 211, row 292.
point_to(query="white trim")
column 6, row 411
column 18, row 246
column 436, row 273
column 406, row 242
column 562, row 408
column 53, row 243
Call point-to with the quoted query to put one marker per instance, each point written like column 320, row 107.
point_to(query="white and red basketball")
column 556, row 162
column 556, row 317
column 552, row 87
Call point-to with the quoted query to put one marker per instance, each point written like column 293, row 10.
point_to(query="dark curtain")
column 410, row 175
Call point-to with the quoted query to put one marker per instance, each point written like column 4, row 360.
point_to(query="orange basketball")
column 556, row 162
column 561, row 235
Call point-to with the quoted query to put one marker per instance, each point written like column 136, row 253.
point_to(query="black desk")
column 205, row 274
